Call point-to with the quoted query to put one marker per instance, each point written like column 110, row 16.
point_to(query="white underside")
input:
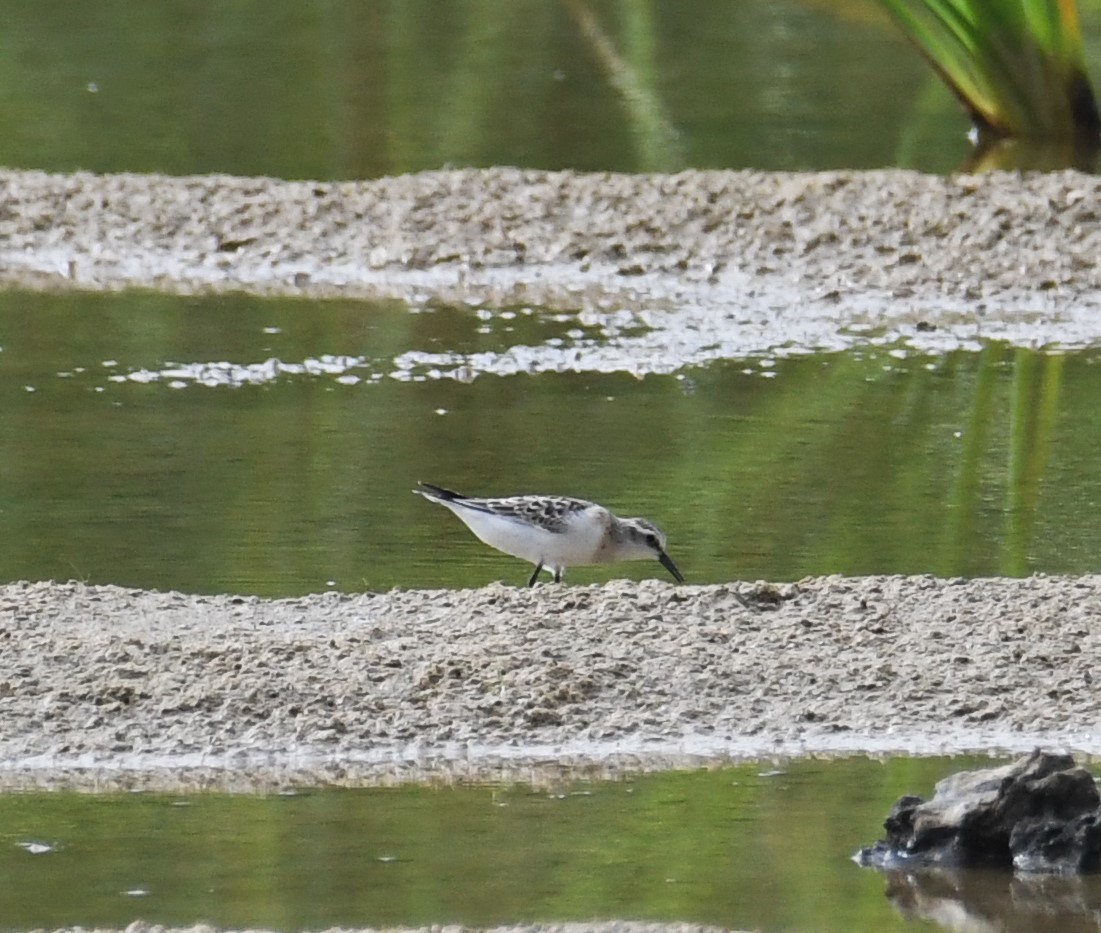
column 578, row 545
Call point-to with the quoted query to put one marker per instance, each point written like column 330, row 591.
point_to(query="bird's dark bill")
column 667, row 563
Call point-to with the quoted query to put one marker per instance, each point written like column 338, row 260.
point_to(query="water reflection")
column 219, row 473
column 753, row 847
column 1001, row 901
column 354, row 90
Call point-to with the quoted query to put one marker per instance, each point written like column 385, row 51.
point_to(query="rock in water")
column 1039, row 814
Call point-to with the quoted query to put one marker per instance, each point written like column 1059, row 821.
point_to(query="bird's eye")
column 652, row 540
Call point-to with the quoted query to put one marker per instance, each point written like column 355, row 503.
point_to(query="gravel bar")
column 103, row 688
column 999, row 255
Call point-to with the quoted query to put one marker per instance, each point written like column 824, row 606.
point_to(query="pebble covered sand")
column 103, row 688
column 798, row 259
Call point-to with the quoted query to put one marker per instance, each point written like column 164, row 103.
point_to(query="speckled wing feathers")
column 549, row 512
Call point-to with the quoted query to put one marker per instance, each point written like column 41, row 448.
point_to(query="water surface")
column 759, row 846
column 269, row 447
column 354, row 90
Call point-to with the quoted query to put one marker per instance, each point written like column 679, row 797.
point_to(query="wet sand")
column 773, row 259
column 104, row 688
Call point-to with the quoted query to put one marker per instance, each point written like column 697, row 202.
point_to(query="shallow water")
column 760, row 846
column 351, row 90
column 259, row 446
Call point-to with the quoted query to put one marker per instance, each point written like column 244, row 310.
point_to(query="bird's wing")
column 551, row 513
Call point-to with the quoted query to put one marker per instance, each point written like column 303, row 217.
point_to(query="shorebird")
column 555, row 532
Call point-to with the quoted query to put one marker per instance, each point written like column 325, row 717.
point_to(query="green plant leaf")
column 1016, row 65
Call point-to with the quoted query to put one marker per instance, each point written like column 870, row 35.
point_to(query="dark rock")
column 1039, row 814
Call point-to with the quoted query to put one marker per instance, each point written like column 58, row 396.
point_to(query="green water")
column 855, row 463
column 749, row 847
column 345, row 89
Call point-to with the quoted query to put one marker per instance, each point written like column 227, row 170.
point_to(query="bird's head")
column 646, row 540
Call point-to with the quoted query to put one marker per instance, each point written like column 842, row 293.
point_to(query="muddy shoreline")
column 810, row 260
column 103, row 688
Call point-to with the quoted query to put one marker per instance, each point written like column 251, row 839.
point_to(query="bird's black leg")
column 557, row 574
column 535, row 576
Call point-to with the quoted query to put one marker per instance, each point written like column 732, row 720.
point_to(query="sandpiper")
column 555, row 532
